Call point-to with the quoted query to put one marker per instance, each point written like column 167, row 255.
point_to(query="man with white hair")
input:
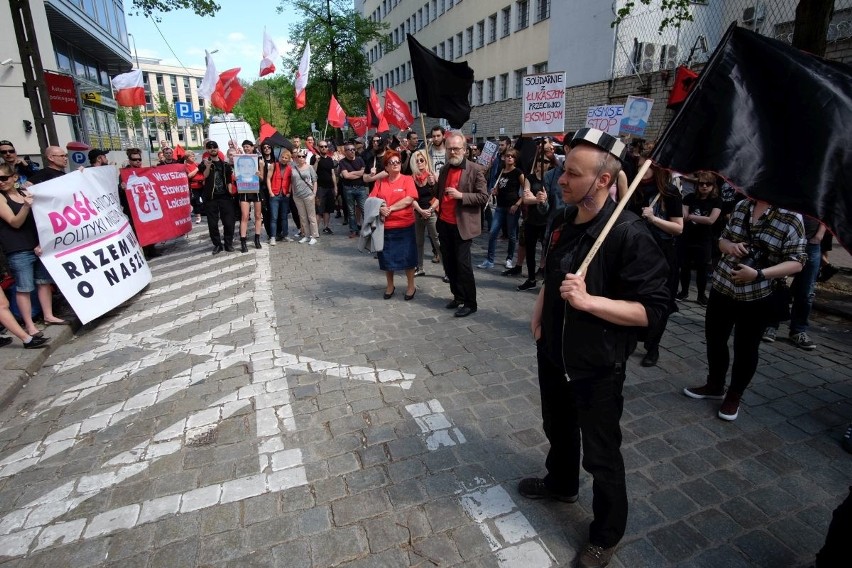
column 585, row 328
column 461, row 196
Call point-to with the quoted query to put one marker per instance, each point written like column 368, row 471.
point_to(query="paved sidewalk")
column 388, row 432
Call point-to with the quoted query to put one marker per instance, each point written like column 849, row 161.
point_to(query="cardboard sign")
column 544, row 104
column 245, row 172
column 605, row 117
column 636, row 113
column 87, row 243
column 159, row 202
column 489, row 150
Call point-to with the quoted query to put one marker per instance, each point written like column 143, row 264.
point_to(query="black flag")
column 442, row 86
column 773, row 121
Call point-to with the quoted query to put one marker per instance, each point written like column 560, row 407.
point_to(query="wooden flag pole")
column 426, row 143
column 619, row 208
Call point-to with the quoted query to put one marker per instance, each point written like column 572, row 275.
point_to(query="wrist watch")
column 759, row 275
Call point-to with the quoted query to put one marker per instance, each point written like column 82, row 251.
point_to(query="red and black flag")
column 375, row 114
column 773, row 121
column 442, row 86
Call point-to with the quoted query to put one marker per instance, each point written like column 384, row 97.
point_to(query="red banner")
column 159, row 202
column 62, row 93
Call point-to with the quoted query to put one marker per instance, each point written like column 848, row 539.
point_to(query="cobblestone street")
column 271, row 409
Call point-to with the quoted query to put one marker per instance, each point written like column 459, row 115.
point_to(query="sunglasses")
column 705, row 183
column 393, row 162
column 323, row 145
column 212, row 147
column 421, row 161
column 135, row 159
column 349, row 149
column 4, row 152
column 6, row 178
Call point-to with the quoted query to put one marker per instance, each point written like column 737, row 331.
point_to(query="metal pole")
column 146, row 130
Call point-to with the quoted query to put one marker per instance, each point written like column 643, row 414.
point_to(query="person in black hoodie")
column 218, row 200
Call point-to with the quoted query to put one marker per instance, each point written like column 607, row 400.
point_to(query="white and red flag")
column 302, row 76
column 397, row 111
column 129, row 91
column 270, row 54
column 336, row 116
column 208, row 83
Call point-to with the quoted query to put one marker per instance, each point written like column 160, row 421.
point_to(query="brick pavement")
column 270, row 409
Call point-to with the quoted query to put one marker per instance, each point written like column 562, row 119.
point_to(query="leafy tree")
column 150, row 8
column 337, row 34
column 810, row 25
column 273, row 100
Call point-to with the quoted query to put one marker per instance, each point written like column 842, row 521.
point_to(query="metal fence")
column 641, row 48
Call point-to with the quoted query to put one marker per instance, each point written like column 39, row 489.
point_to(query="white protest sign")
column 489, row 150
column 544, row 104
column 87, row 243
column 636, row 111
column 605, row 117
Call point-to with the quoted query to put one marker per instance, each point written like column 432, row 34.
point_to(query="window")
column 442, row 4
column 459, row 45
column 491, row 93
column 542, row 10
column 540, row 67
column 434, row 10
column 523, row 14
column 519, row 82
column 441, row 51
column 492, row 28
column 469, row 44
column 478, row 99
column 480, row 34
column 504, row 86
column 507, row 18
column 450, row 51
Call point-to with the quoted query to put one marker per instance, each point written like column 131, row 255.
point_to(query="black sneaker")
column 534, row 488
column 847, row 440
column 36, row 343
column 328, row 231
column 4, row 341
column 514, row 271
column 528, row 284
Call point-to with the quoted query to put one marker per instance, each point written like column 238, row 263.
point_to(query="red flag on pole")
column 375, row 115
column 228, row 90
column 358, row 124
column 336, row 116
column 397, row 111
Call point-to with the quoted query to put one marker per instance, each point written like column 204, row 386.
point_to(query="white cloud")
column 236, row 36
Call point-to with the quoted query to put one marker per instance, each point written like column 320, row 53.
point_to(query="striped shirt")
column 779, row 235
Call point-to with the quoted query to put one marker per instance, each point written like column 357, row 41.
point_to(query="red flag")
column 358, row 124
column 375, row 115
column 397, row 111
column 179, row 152
column 266, row 130
column 336, row 116
column 228, row 90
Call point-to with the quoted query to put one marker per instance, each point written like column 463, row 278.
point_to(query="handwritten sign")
column 489, row 150
column 87, row 243
column 544, row 104
column 605, row 117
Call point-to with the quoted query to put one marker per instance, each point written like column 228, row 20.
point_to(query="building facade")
column 83, row 39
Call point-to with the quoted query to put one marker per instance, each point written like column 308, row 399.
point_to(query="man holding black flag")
column 585, row 328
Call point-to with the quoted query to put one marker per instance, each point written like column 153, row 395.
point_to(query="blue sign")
column 198, row 117
column 78, row 157
column 183, row 110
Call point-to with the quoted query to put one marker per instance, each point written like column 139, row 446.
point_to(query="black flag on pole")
column 775, row 122
column 442, row 86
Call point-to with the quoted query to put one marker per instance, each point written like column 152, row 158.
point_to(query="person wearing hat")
column 585, row 328
column 98, row 158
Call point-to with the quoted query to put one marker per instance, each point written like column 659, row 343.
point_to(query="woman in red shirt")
column 400, row 250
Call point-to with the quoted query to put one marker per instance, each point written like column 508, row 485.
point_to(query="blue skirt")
column 400, row 249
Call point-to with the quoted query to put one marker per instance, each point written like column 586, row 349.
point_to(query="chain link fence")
column 641, row 48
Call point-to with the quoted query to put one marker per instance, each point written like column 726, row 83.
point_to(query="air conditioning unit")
column 668, row 57
column 646, row 57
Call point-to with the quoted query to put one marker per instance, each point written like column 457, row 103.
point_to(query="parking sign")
column 198, row 117
column 183, row 110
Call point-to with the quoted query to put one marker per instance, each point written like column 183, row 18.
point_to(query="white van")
column 221, row 132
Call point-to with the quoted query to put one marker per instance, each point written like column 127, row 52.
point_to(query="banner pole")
column 324, row 130
column 621, row 205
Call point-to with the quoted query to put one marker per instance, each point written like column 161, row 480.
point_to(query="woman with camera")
column 760, row 243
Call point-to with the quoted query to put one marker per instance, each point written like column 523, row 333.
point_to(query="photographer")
column 218, row 201
column 760, row 243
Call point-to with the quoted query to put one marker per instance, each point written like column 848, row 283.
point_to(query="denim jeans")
column 421, row 226
column 279, row 208
column 802, row 290
column 501, row 217
column 356, row 195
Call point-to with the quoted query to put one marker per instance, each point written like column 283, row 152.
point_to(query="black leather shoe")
column 229, row 247
column 454, row 305
column 409, row 297
column 4, row 341
column 36, row 343
column 651, row 357
column 217, row 249
column 535, row 488
column 514, row 271
column 464, row 311
column 388, row 296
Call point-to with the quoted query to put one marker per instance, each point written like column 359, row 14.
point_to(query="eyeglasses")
column 6, row 178
column 453, row 149
column 323, row 145
column 58, row 156
column 4, row 152
column 705, row 183
column 393, row 162
column 139, row 159
column 349, row 149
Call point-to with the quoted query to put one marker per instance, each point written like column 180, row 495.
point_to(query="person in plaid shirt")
column 760, row 243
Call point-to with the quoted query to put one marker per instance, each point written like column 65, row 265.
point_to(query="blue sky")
column 236, row 31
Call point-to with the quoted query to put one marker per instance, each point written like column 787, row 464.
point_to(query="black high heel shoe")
column 389, row 296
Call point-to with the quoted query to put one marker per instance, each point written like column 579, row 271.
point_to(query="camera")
column 756, row 258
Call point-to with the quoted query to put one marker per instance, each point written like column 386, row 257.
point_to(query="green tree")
column 337, row 34
column 273, row 100
column 810, row 27
column 167, row 117
column 150, row 8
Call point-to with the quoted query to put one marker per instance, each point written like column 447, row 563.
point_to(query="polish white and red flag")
column 129, row 90
column 302, row 76
column 211, row 78
column 270, row 54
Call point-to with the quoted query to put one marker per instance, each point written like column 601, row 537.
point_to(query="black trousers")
column 746, row 320
column 532, row 235
column 591, row 407
column 458, row 265
column 216, row 208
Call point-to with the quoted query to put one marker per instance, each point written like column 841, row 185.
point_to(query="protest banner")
column 605, row 117
column 87, row 243
column 636, row 111
column 245, row 170
column 159, row 202
column 489, row 150
column 544, row 104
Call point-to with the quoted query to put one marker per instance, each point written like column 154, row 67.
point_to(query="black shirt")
column 351, row 166
column 508, row 188
column 45, row 175
column 695, row 233
column 325, row 167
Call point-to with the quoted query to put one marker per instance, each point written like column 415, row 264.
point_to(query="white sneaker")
column 509, row 263
column 304, row 240
column 313, row 241
column 272, row 241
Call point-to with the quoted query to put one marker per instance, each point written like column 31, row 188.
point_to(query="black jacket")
column 226, row 169
column 629, row 266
